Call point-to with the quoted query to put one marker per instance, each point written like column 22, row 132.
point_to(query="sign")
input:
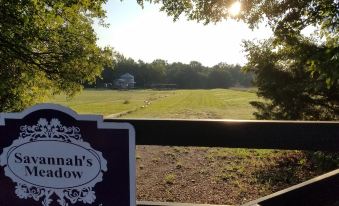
column 51, row 156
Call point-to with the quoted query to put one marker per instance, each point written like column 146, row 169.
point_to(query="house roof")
column 127, row 75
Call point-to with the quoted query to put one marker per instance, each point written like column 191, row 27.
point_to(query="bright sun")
column 235, row 8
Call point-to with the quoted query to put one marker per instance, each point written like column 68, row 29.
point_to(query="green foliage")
column 324, row 161
column 299, row 75
column 293, row 90
column 219, row 77
column 187, row 76
column 47, row 47
column 282, row 16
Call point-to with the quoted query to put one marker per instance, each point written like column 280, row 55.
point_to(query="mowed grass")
column 182, row 104
column 201, row 104
column 106, row 102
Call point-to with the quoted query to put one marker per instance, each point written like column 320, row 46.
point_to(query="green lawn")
column 108, row 102
column 186, row 104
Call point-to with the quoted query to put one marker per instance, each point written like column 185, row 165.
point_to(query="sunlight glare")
column 235, row 8
column 179, row 41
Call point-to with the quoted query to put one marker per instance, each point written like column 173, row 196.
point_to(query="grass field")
column 202, row 104
column 199, row 175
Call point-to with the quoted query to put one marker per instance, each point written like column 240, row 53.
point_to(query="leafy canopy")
column 47, row 46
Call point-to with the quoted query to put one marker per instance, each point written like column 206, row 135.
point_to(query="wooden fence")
column 291, row 135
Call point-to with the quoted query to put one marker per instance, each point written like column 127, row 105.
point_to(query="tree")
column 156, row 71
column 187, row 76
column 47, row 47
column 293, row 92
column 220, row 76
column 298, row 75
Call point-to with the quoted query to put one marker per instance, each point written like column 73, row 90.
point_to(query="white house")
column 126, row 81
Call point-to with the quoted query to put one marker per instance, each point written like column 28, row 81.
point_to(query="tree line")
column 175, row 75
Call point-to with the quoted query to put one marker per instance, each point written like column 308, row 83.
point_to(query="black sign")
column 51, row 156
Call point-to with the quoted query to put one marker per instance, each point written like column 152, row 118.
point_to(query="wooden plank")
column 299, row 135
column 148, row 203
column 322, row 190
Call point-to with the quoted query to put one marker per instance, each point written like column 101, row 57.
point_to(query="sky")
column 148, row 34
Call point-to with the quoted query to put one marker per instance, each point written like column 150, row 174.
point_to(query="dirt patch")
column 216, row 176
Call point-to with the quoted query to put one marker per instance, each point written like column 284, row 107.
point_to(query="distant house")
column 126, row 81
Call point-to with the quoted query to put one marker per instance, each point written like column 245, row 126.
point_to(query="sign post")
column 51, row 156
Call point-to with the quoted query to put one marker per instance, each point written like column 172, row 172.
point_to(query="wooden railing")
column 291, row 135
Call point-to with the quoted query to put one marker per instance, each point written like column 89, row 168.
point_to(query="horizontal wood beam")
column 322, row 190
column 292, row 135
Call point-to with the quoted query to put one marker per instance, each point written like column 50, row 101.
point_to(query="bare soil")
column 217, row 175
